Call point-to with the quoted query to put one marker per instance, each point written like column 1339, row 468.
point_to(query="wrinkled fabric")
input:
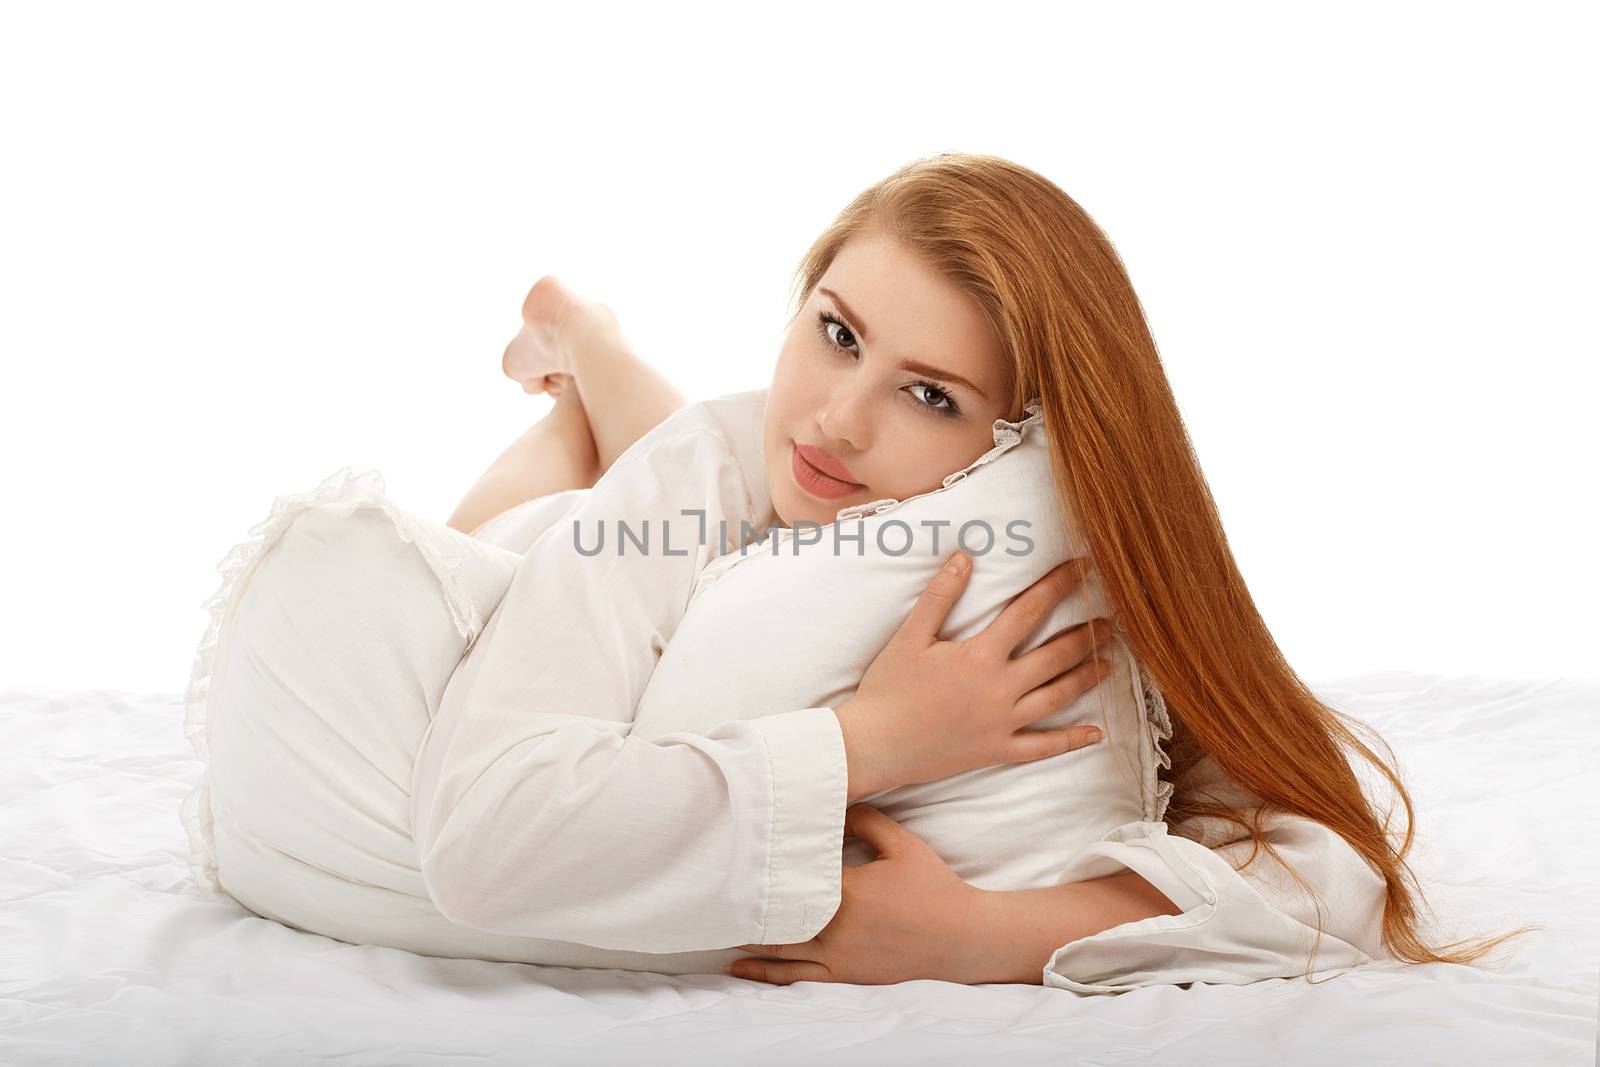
column 708, row 839
column 335, row 635
column 110, row 955
column 1236, row 926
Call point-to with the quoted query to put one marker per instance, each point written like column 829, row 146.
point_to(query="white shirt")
column 537, row 813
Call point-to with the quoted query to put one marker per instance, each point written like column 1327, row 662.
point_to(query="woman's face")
column 889, row 376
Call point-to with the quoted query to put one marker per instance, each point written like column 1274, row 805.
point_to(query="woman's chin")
column 815, row 518
column 786, row 513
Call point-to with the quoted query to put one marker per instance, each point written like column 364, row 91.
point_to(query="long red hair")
column 1059, row 300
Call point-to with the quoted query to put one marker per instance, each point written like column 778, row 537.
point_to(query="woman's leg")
column 556, row 453
column 611, row 399
column 624, row 396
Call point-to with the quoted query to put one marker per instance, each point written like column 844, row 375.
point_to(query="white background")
column 243, row 247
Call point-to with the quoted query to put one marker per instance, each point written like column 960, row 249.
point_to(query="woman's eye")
column 826, row 324
column 944, row 403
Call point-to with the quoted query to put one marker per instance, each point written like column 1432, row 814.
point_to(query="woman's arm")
column 907, row 915
column 1024, row 928
column 1137, row 908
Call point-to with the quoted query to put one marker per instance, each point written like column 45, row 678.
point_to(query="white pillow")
column 795, row 624
column 330, row 642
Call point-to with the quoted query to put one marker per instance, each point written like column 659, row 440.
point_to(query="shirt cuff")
column 805, row 854
column 1227, row 932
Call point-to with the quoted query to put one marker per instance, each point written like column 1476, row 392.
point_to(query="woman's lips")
column 814, row 481
column 825, row 463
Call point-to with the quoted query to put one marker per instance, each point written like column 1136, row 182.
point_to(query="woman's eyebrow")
column 912, row 365
column 861, row 327
column 934, row 372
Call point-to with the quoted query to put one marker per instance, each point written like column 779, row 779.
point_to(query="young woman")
column 937, row 302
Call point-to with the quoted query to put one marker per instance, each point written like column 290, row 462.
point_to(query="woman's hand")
column 927, row 709
column 557, row 327
column 903, row 916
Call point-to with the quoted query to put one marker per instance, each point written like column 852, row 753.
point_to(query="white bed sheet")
column 109, row 955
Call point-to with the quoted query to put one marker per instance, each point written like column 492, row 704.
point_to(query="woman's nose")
column 843, row 420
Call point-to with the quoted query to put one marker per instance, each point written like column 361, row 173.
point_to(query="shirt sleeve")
column 537, row 813
column 1236, row 926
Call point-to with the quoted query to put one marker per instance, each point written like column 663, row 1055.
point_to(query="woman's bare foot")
column 570, row 345
column 558, row 325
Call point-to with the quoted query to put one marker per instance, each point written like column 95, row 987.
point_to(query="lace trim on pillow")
column 346, row 492
column 1159, row 720
column 1007, row 435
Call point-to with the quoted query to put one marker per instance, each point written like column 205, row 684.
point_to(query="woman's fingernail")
column 1092, row 734
column 957, row 563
